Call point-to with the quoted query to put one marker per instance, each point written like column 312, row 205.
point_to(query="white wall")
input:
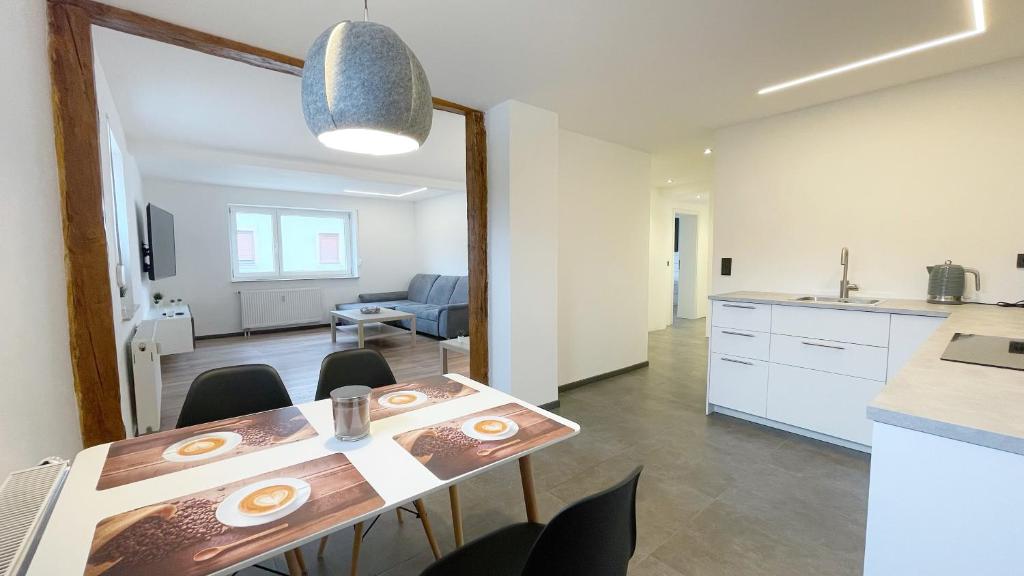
column 904, row 177
column 387, row 234
column 523, row 235
column 442, row 235
column 123, row 327
column 603, row 242
column 38, row 417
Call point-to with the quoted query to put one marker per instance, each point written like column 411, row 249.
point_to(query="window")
column 330, row 247
column 123, row 272
column 281, row 243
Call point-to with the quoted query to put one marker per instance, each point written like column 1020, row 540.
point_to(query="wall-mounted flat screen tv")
column 160, row 235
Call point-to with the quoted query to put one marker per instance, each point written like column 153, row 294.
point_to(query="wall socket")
column 1020, row 260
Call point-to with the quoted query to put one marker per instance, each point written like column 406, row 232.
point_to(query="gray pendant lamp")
column 364, row 91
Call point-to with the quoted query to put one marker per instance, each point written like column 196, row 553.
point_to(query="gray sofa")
column 440, row 303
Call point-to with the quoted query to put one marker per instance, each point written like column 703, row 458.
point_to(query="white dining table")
column 392, row 471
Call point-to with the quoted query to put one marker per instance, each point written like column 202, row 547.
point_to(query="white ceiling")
column 191, row 116
column 655, row 75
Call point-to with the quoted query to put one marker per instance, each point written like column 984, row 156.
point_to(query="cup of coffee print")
column 263, row 502
column 202, row 446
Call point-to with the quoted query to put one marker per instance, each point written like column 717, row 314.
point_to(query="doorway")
column 686, row 266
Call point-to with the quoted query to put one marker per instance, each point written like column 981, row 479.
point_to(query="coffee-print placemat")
column 165, row 452
column 408, row 396
column 458, row 446
column 217, row 528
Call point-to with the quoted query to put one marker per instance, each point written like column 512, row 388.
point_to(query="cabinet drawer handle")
column 737, row 333
column 739, row 306
column 824, row 345
column 737, row 361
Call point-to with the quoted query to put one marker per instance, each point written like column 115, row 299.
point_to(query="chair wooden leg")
column 293, row 563
column 421, row 509
column 357, row 541
column 301, row 561
column 453, row 496
column 529, row 495
column 398, row 512
column 323, row 546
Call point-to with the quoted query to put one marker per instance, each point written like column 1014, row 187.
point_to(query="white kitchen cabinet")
column 831, row 404
column 906, row 334
column 854, row 326
column 807, row 369
column 742, row 315
column 738, row 383
column 744, row 343
column 829, row 356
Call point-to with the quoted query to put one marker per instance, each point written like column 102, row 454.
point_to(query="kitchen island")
column 947, row 439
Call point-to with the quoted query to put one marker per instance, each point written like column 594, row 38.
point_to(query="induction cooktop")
column 986, row 351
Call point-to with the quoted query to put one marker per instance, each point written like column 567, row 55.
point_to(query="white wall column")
column 522, row 212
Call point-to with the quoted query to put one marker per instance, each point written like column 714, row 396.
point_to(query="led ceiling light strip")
column 385, row 193
column 977, row 9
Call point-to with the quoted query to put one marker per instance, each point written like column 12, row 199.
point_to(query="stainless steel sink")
column 831, row 300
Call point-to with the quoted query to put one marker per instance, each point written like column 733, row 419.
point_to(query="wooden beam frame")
column 76, row 131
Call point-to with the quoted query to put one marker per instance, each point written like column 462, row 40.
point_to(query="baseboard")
column 585, row 381
column 263, row 331
column 551, row 405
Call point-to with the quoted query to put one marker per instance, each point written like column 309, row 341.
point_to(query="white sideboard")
column 808, row 370
column 166, row 330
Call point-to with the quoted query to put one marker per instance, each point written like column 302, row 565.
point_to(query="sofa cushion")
column 442, row 290
column 424, row 311
column 420, row 286
column 386, row 304
column 461, row 293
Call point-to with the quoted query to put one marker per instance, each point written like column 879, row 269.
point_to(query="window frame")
column 347, row 242
column 120, row 222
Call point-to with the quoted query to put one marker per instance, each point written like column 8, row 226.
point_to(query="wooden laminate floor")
column 296, row 355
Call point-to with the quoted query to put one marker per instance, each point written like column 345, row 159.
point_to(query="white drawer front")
column 871, row 328
column 837, row 357
column 742, row 315
column 745, row 343
column 827, row 403
column 738, row 383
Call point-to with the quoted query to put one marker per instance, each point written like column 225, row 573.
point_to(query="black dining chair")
column 359, row 367
column 364, row 367
column 235, row 391
column 596, row 536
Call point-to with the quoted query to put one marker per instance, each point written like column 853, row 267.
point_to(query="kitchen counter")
column 976, row 404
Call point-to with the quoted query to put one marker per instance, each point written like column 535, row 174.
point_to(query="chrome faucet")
column 845, row 286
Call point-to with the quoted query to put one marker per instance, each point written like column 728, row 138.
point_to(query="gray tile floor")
column 718, row 495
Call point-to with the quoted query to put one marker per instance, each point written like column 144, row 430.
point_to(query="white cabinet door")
column 742, row 315
column 906, row 334
column 745, row 343
column 738, row 383
column 871, row 328
column 826, row 355
column 831, row 404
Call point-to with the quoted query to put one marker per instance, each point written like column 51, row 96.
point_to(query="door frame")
column 76, row 130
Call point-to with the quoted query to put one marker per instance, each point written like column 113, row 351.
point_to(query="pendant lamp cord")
column 366, row 10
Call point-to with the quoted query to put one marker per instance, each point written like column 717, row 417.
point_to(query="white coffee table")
column 361, row 320
column 460, row 344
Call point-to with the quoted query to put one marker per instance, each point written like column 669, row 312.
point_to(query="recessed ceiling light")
column 669, row 181
column 385, row 193
column 977, row 10
column 707, row 151
column 698, row 196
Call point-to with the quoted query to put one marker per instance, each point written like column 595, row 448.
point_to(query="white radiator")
column 281, row 307
column 26, row 500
